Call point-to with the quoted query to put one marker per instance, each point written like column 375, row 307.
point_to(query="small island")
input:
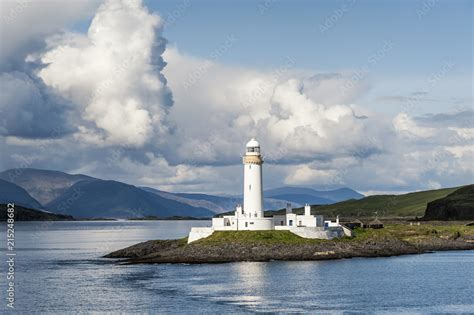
column 247, row 234
column 232, row 246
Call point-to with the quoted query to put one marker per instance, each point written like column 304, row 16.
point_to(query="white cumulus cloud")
column 289, row 110
column 114, row 74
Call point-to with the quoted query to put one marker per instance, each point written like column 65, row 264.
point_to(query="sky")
column 372, row 95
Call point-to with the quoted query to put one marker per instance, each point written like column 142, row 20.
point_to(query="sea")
column 59, row 269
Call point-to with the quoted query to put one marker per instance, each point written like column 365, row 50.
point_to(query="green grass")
column 254, row 237
column 411, row 233
column 407, row 205
column 183, row 241
column 400, row 231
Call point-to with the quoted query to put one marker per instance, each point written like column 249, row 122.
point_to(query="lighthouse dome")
column 253, row 143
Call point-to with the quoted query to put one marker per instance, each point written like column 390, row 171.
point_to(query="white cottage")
column 250, row 216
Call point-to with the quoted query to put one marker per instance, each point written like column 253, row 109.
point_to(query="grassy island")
column 228, row 246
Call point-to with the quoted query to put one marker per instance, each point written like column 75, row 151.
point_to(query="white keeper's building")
column 250, row 216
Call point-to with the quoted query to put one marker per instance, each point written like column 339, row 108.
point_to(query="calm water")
column 59, row 269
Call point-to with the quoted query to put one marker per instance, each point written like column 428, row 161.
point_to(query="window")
column 281, row 223
column 250, row 187
column 251, row 222
column 299, row 223
column 253, row 149
column 250, row 166
column 246, row 224
column 290, row 223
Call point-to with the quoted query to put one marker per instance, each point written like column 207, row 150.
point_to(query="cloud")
column 114, row 74
column 413, row 98
column 442, row 129
column 460, row 119
column 405, row 125
column 24, row 25
column 290, row 111
column 305, row 175
column 28, row 108
column 465, row 133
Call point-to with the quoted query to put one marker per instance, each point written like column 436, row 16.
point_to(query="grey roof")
column 376, row 221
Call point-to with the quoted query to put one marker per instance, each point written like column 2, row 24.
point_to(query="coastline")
column 223, row 247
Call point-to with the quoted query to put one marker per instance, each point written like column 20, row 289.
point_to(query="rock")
column 458, row 205
column 178, row 251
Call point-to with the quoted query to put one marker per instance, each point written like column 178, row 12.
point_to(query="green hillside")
column 407, row 205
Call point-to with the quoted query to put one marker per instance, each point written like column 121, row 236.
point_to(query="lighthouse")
column 251, row 217
column 253, row 190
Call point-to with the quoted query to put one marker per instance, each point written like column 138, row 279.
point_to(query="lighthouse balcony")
column 252, row 159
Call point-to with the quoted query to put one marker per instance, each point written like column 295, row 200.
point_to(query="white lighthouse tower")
column 253, row 191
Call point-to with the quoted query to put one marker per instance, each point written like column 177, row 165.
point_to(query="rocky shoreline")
column 222, row 247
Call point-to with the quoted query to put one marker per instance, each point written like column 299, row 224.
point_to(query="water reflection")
column 250, row 278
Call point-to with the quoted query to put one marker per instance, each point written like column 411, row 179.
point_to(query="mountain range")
column 84, row 196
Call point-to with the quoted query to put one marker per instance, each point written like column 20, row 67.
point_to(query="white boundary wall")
column 199, row 232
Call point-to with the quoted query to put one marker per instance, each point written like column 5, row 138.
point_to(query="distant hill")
column 10, row 192
column 214, row 203
column 297, row 194
column 54, row 191
column 301, row 199
column 458, row 205
column 110, row 199
column 407, row 205
column 225, row 203
column 43, row 185
column 27, row 214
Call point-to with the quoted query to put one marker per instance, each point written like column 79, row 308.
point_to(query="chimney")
column 288, row 208
column 238, row 211
column 307, row 209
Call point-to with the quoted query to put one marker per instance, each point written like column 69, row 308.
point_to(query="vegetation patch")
column 254, row 237
column 413, row 232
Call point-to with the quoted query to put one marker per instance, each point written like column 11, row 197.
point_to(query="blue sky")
column 293, row 28
column 425, row 35
column 378, row 96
